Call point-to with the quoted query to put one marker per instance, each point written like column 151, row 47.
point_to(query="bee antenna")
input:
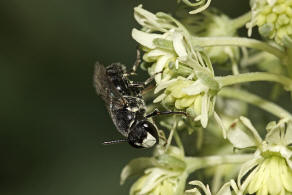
column 115, row 142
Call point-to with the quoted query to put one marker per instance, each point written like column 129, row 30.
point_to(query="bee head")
column 143, row 135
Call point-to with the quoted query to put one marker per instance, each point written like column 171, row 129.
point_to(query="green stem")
column 195, row 163
column 178, row 141
column 241, row 20
column 238, row 41
column 255, row 76
column 255, row 100
column 289, row 67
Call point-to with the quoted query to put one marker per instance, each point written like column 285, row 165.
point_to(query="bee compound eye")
column 143, row 135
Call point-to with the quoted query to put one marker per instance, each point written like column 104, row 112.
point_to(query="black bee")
column 125, row 104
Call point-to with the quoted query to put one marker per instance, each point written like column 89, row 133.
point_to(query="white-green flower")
column 273, row 18
column 162, row 174
column 151, row 22
column 225, row 189
column 270, row 171
column 193, row 96
column 173, row 51
column 184, row 75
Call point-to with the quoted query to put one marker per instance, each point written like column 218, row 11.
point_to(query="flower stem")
column 241, row 20
column 238, row 41
column 195, row 163
column 255, row 100
column 255, row 76
column 178, row 141
column 289, row 65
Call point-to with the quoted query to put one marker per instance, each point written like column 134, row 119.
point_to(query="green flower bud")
column 273, row 19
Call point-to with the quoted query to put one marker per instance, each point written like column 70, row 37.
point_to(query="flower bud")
column 273, row 19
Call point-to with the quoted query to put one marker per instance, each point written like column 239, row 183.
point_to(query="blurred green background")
column 52, row 122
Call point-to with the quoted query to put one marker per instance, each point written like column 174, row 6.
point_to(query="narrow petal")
column 145, row 39
column 161, row 63
column 164, row 85
column 159, row 98
column 153, row 55
column 196, row 88
column 178, row 44
column 274, row 183
column 184, row 102
column 249, row 125
column 288, row 134
column 205, row 108
column 286, row 176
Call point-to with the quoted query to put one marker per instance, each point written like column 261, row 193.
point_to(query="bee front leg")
column 144, row 85
column 136, row 64
column 156, row 112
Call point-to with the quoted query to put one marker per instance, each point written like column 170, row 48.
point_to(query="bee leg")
column 156, row 112
column 142, row 86
column 150, row 79
column 136, row 64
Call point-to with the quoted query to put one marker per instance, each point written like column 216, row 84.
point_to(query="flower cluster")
column 270, row 170
column 163, row 174
column 184, row 75
column 180, row 54
column 273, row 18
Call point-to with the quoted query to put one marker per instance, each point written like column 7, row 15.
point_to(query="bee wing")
column 105, row 88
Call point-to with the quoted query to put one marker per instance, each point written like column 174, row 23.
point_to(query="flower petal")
column 134, row 167
column 145, row 39
column 288, row 134
column 178, row 44
column 153, row 55
column 274, row 183
column 159, row 98
column 240, row 136
column 205, row 108
column 225, row 190
column 164, row 85
column 196, row 88
column 161, row 63
column 286, row 177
